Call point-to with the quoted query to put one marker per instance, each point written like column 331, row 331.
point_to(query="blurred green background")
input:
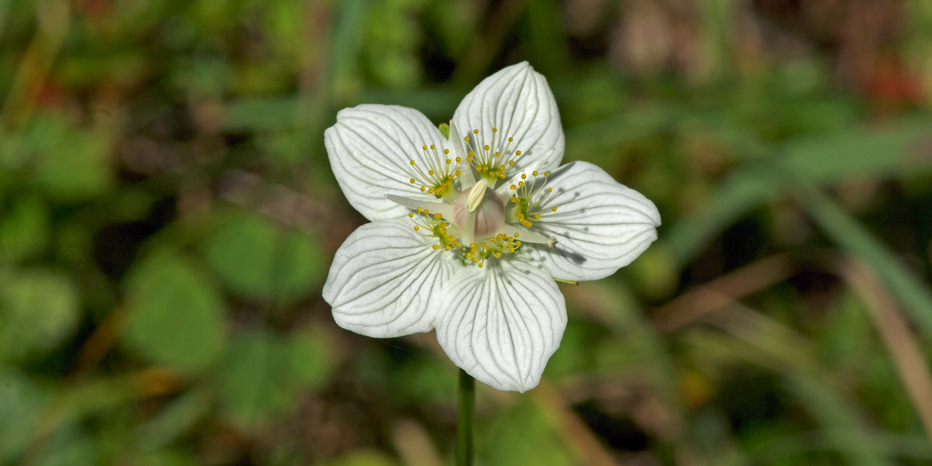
column 168, row 215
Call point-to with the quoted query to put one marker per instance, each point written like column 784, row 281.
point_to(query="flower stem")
column 467, row 401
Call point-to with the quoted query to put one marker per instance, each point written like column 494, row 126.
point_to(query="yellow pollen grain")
column 480, row 265
column 412, row 180
column 424, row 147
column 417, row 228
column 466, row 139
column 449, row 161
column 513, row 187
column 436, row 247
column 554, row 209
column 432, row 147
column 546, row 173
column 523, row 176
column 494, row 130
column 534, row 173
column 549, row 190
column 412, row 162
column 475, row 131
column 411, row 214
column 517, row 234
column 458, row 160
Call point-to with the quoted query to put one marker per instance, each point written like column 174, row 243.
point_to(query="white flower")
column 468, row 233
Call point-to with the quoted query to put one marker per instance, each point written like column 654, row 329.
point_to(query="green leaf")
column 257, row 259
column 69, row 164
column 524, row 435
column 176, row 418
column 24, row 229
column 21, row 405
column 311, row 358
column 38, row 309
column 257, row 380
column 175, row 314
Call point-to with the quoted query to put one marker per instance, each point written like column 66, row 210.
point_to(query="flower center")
column 487, row 207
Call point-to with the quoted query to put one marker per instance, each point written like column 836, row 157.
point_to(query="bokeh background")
column 168, row 215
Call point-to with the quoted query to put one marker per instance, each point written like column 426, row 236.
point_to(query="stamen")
column 440, row 175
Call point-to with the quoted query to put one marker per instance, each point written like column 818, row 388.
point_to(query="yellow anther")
column 449, row 161
column 554, row 209
column 523, row 176
column 446, row 151
column 475, row 131
column 432, row 147
column 436, row 247
column 412, row 162
column 546, row 173
column 517, row 152
column 510, row 140
column 458, row 160
column 486, row 147
column 494, row 130
column 513, row 187
column 417, row 228
column 534, row 173
column 412, row 180
column 424, row 147
column 549, row 190
column 466, row 139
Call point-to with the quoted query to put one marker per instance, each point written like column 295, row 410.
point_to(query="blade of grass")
column 897, row 337
column 760, row 340
column 850, row 235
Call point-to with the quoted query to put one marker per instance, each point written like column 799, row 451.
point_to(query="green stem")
column 467, row 396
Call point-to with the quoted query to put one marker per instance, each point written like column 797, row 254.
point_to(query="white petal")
column 501, row 323
column 386, row 280
column 371, row 148
column 600, row 225
column 518, row 102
